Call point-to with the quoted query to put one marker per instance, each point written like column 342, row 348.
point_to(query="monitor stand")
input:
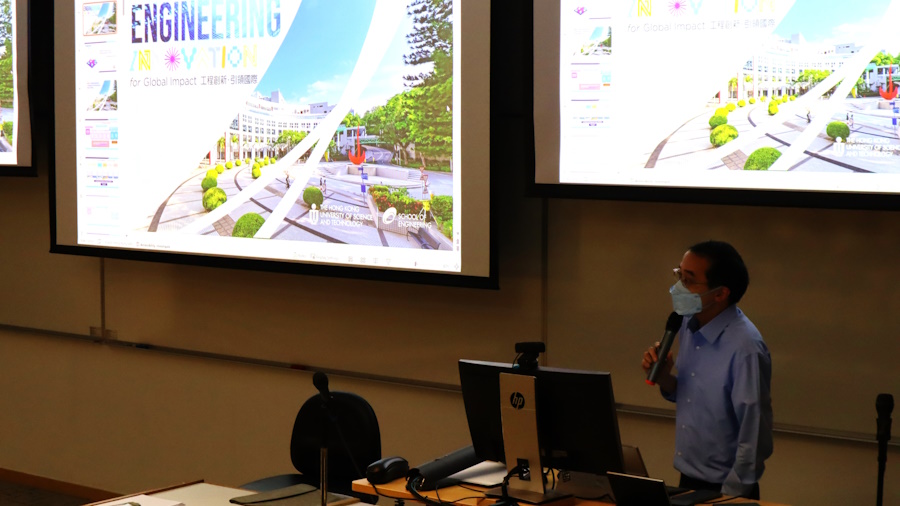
column 518, row 414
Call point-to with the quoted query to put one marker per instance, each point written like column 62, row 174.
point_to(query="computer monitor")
column 576, row 416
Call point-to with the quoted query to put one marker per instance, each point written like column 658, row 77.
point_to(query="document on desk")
column 142, row 500
column 485, row 474
column 295, row 495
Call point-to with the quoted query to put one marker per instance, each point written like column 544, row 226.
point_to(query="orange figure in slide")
column 889, row 92
column 360, row 155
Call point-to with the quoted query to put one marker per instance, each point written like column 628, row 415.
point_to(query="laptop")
column 634, row 465
column 633, row 461
column 631, row 490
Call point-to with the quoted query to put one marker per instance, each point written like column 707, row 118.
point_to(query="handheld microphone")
column 320, row 381
column 672, row 326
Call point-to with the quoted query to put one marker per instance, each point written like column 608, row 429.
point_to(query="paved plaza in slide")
column 345, row 219
column 873, row 147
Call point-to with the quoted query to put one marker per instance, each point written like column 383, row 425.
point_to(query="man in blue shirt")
column 722, row 384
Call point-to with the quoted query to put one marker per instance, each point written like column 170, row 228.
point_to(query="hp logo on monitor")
column 517, row 400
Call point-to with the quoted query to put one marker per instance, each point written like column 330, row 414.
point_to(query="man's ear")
column 722, row 294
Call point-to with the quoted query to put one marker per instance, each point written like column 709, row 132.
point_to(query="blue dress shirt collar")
column 715, row 327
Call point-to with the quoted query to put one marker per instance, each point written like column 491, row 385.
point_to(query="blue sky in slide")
column 321, row 48
column 832, row 21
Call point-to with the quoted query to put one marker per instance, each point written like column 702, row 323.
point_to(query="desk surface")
column 203, row 494
column 207, row 494
column 472, row 495
column 191, row 494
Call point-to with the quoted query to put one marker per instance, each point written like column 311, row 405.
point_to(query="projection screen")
column 278, row 134
column 797, row 97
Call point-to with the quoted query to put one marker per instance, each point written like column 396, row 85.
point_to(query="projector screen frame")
column 489, row 281
column 680, row 194
column 35, row 84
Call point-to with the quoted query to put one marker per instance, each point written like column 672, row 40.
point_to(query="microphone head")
column 674, row 322
column 884, row 404
column 320, row 381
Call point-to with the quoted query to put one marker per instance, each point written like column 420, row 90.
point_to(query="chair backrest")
column 350, row 428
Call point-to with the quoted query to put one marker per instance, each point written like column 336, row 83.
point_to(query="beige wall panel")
column 823, row 292
column 39, row 290
column 122, row 420
column 391, row 329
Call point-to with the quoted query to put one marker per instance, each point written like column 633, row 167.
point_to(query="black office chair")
column 353, row 441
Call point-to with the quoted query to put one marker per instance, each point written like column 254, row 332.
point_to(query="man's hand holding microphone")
column 660, row 371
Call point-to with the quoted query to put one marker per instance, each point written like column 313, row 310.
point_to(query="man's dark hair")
column 726, row 267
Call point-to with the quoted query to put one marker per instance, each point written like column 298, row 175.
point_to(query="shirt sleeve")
column 751, row 400
column 671, row 397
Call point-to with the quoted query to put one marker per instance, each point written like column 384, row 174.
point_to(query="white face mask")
column 684, row 301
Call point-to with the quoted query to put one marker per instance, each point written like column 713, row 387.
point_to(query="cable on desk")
column 465, row 498
column 551, row 472
column 460, row 485
column 382, row 494
column 412, row 485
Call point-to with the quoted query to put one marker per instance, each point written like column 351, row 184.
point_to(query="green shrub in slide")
column 762, row 159
column 313, row 195
column 716, row 121
column 213, row 198
column 209, row 182
column 837, row 129
column 247, row 225
column 722, row 135
column 442, row 206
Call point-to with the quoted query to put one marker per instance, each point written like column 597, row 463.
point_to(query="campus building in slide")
column 773, row 71
column 257, row 128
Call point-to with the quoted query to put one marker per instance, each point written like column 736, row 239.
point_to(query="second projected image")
column 715, row 92
column 313, row 122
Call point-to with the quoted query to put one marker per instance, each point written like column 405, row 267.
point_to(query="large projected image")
column 750, row 94
column 9, row 107
column 325, row 131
